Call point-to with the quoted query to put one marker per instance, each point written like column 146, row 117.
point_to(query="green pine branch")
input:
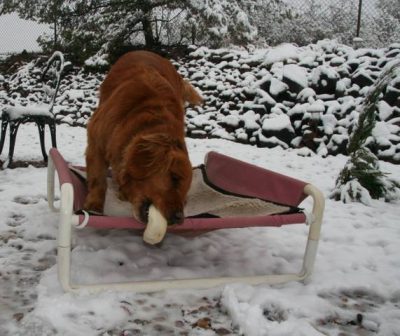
column 361, row 177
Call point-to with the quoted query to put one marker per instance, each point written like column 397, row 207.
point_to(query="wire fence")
column 375, row 23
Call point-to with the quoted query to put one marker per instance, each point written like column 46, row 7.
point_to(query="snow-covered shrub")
column 99, row 61
column 362, row 177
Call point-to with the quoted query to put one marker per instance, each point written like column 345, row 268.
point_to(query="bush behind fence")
column 377, row 23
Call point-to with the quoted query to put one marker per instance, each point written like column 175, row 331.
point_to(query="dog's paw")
column 93, row 206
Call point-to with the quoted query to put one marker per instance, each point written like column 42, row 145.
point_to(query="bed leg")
column 309, row 259
column 64, row 267
column 64, row 236
column 315, row 229
column 50, row 184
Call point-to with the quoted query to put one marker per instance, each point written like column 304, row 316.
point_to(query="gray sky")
column 17, row 35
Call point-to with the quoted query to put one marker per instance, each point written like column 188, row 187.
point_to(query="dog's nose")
column 177, row 218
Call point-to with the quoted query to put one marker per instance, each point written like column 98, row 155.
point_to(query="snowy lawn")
column 355, row 289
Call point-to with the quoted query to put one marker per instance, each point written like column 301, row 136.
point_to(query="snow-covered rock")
column 319, row 88
column 295, row 77
column 281, row 53
column 278, row 126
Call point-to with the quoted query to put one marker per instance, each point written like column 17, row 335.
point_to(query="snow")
column 336, row 61
column 223, row 134
column 316, row 107
column 383, row 133
column 16, row 112
column 323, row 70
column 249, row 78
column 304, row 151
column 343, row 84
column 230, row 120
column 351, row 189
column 209, row 83
column 265, row 97
column 356, row 270
column 100, row 59
column 276, row 123
column 329, row 122
column 75, row 94
column 197, row 75
column 384, row 110
column 306, row 95
column 277, row 87
column 357, row 267
column 307, row 58
column 281, row 53
column 250, row 120
column 296, row 74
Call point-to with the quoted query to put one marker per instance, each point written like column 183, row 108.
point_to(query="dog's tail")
column 190, row 94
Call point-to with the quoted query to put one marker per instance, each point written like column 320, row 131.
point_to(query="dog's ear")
column 149, row 154
column 190, row 94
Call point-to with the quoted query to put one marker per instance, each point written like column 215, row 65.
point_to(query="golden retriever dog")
column 138, row 131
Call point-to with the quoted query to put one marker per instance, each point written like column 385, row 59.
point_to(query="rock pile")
column 293, row 97
column 285, row 96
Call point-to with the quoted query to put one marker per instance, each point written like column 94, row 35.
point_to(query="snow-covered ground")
column 355, row 289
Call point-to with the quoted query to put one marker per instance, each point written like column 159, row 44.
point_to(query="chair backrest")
column 51, row 78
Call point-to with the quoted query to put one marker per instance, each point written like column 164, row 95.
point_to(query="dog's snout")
column 176, row 218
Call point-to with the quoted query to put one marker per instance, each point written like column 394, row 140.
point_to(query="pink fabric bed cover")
column 227, row 173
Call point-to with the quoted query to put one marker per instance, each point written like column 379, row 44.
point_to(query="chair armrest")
column 56, row 57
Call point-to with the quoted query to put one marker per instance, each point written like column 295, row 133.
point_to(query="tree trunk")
column 194, row 34
column 55, row 35
column 148, row 31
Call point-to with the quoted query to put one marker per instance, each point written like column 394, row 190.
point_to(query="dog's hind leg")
column 97, row 179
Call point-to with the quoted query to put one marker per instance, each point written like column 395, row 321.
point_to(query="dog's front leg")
column 97, row 179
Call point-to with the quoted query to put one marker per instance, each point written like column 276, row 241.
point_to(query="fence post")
column 357, row 40
column 359, row 18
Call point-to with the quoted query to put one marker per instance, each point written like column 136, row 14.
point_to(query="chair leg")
column 4, row 124
column 13, row 136
column 52, row 127
column 41, row 137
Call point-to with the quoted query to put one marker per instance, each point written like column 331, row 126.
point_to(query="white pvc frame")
column 68, row 219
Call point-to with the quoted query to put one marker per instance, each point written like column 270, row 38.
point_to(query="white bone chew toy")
column 156, row 227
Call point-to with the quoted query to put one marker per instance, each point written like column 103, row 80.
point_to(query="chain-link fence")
column 376, row 23
column 358, row 15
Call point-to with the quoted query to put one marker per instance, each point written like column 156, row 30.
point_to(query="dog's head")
column 156, row 170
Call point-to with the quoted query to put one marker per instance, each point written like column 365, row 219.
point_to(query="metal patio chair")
column 42, row 113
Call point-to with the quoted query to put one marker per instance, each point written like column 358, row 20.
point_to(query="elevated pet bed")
column 225, row 193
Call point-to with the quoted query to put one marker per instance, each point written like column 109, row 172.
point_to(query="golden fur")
column 138, row 131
